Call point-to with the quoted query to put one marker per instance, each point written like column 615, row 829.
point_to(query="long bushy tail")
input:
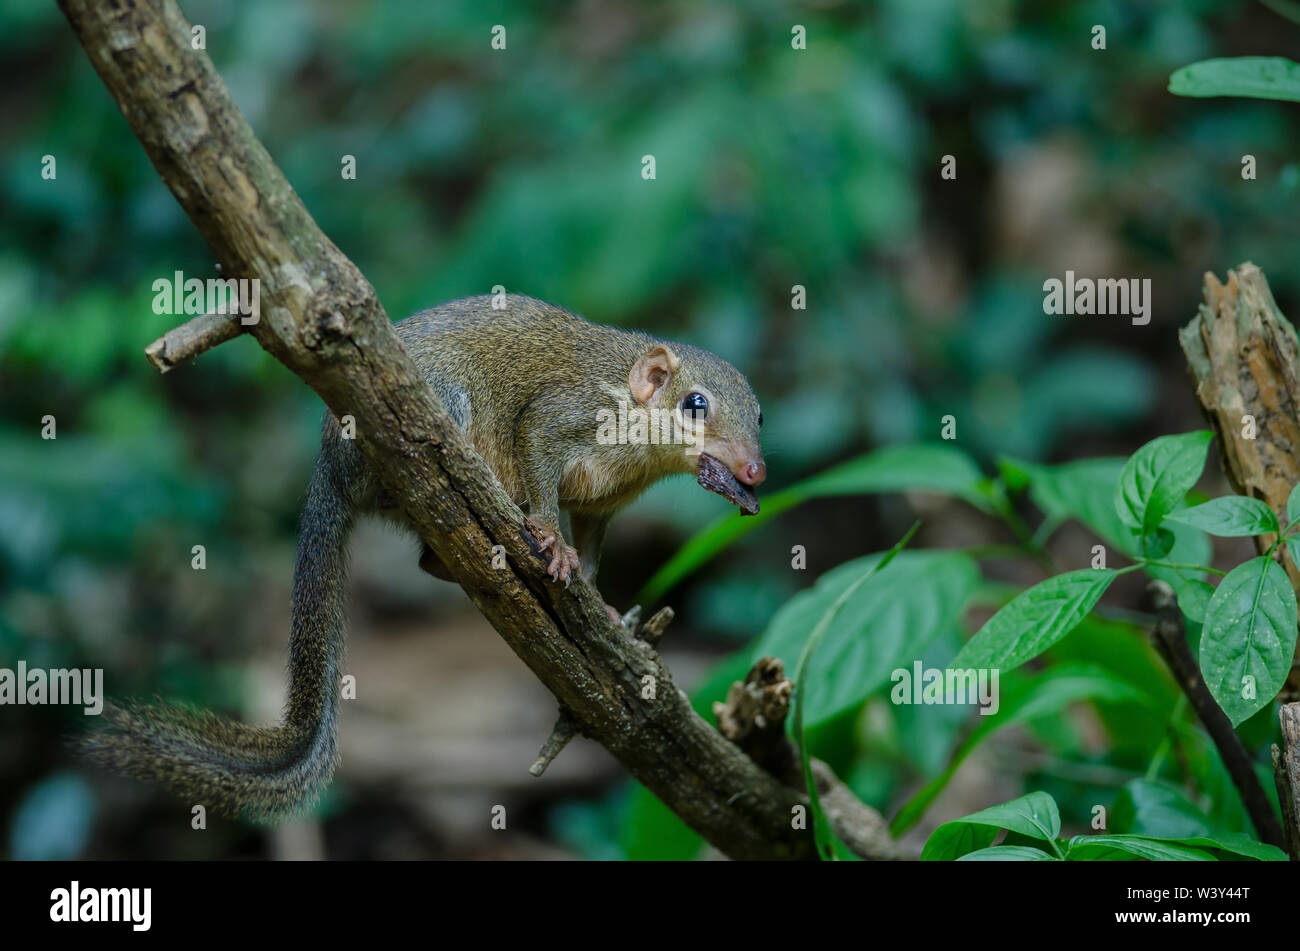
column 263, row 773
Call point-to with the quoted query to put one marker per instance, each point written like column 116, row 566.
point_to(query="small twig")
column 1168, row 637
column 563, row 731
column 631, row 619
column 652, row 630
column 184, row 343
column 753, row 717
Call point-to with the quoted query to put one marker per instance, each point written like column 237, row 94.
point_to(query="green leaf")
column 1293, row 505
column 1203, row 766
column 1124, row 649
column 955, row 839
column 1165, row 816
column 1021, row 700
column 1157, row 477
column 1249, row 631
column 1201, row 847
column 1256, row 77
column 1007, row 853
column 1034, row 620
column 885, row 624
column 1103, row 848
column 928, row 733
column 925, row 468
column 1157, row 544
column 823, row 832
column 1232, row 516
column 1194, row 598
column 1034, row 815
column 1157, row 809
column 1234, row 843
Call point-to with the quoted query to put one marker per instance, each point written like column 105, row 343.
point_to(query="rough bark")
column 187, row 341
column 1286, row 774
column 323, row 320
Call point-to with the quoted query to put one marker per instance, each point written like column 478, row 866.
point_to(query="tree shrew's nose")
column 751, row 473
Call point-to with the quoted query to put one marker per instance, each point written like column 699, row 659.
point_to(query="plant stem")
column 1177, row 565
column 1168, row 637
column 1002, row 505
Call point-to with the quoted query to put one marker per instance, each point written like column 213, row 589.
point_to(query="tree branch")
column 322, row 320
column 184, row 343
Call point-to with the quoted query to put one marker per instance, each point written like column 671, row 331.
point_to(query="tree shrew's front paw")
column 564, row 558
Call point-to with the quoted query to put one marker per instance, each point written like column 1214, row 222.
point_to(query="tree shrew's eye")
column 694, row 405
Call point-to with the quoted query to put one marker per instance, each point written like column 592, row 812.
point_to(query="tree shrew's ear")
column 651, row 373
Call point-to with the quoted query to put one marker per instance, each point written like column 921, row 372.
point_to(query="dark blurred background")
column 775, row 167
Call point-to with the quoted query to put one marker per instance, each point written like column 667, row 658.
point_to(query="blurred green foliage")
column 775, row 167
